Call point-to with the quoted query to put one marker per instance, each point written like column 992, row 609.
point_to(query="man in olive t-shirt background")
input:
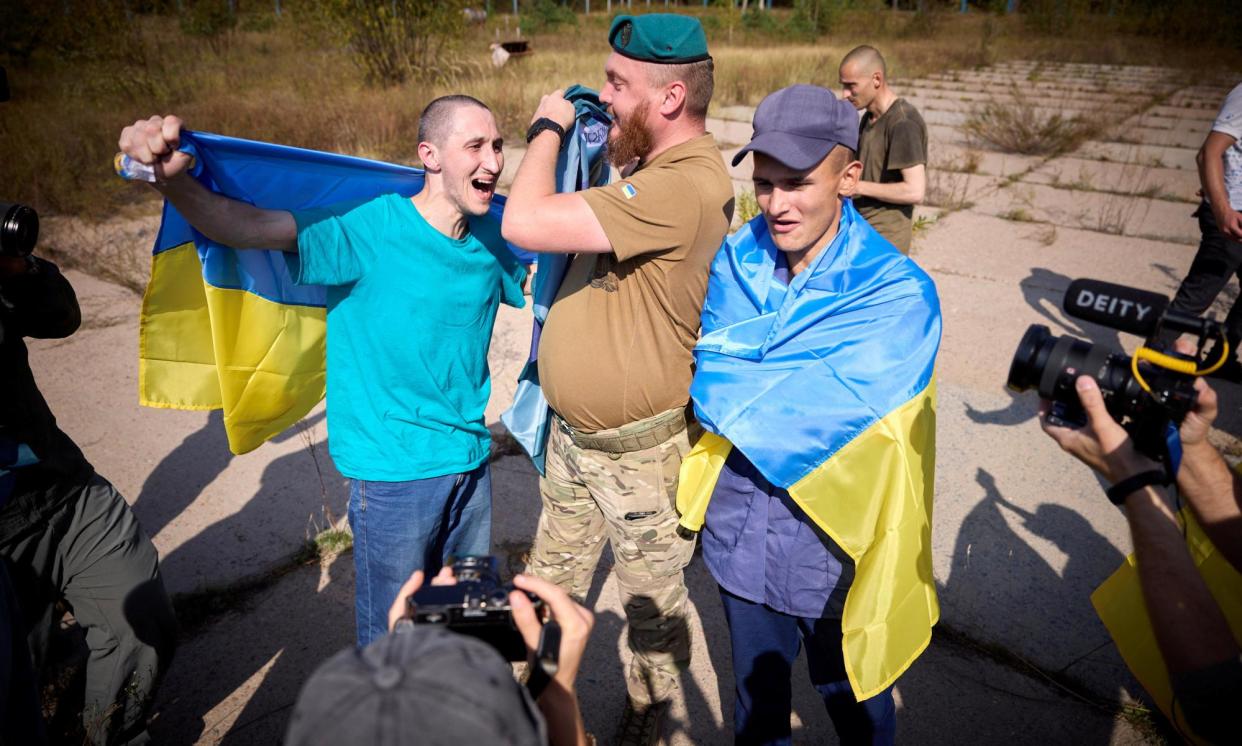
column 892, row 145
column 614, row 355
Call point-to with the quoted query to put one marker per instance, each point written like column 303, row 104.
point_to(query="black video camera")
column 478, row 605
column 1145, row 391
column 19, row 229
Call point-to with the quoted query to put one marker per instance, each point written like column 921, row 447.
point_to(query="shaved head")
column 436, row 122
column 867, row 59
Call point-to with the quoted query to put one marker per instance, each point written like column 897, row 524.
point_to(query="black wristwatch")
column 541, row 124
column 1118, row 493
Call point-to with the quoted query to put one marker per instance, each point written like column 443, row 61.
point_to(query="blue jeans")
column 400, row 527
column 765, row 646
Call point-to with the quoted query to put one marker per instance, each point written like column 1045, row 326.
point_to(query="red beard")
column 633, row 139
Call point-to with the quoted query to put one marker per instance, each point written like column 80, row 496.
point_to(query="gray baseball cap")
column 801, row 124
column 422, row 685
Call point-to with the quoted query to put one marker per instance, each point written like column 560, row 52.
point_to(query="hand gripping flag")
column 581, row 165
column 222, row 328
column 827, row 387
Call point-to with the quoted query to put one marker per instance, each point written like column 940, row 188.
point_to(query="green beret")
column 665, row 38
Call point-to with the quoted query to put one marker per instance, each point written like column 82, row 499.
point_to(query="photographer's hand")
column 1209, row 486
column 399, row 606
column 558, row 702
column 1102, row 443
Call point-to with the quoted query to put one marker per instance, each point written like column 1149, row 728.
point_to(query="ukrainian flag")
column 827, row 387
column 228, row 329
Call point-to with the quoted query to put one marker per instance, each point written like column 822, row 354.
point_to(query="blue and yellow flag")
column 582, row 164
column 222, row 328
column 826, row 385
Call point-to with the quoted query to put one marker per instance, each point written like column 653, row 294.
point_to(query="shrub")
column 540, row 16
column 209, row 18
column 396, row 39
column 762, row 21
column 1017, row 126
column 814, row 18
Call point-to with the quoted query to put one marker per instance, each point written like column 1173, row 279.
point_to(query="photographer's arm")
column 154, row 142
column 38, row 301
column 559, row 701
column 1190, row 629
column 1213, row 491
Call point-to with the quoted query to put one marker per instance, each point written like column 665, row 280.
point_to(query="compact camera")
column 478, row 605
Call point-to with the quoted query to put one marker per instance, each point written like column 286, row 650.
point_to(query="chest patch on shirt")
column 629, row 191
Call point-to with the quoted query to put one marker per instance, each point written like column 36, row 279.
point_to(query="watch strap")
column 1118, row 493
column 541, row 124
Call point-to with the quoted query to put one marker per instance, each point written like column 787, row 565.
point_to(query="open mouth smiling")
column 484, row 188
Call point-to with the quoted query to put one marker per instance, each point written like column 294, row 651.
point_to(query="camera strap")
column 547, row 659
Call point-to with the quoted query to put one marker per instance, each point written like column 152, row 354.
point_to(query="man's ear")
column 674, row 98
column 850, row 178
column 430, row 156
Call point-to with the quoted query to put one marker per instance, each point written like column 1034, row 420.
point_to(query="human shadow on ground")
column 282, row 636
column 181, row 476
column 300, row 494
column 1003, row 593
column 273, row 525
column 1002, row 590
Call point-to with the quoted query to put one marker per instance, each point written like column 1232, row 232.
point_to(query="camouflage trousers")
column 621, row 485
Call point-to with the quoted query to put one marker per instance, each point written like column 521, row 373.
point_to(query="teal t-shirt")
column 410, row 315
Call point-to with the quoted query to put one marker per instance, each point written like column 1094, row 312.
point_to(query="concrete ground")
column 1022, row 534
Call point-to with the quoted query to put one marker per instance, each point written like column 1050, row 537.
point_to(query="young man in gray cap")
column 614, row 358
column 892, row 144
column 813, row 381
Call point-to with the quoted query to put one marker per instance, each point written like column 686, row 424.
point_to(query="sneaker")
column 640, row 724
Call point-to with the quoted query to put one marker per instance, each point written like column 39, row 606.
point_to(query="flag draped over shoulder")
column 580, row 165
column 827, row 387
column 223, row 328
column 1119, row 603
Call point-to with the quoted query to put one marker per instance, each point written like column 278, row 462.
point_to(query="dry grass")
column 1017, row 125
column 58, row 134
column 947, row 189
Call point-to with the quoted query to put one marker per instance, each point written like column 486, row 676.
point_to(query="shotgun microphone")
column 1130, row 310
column 1116, row 306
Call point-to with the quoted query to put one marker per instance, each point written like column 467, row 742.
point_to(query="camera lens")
column 1050, row 364
column 19, row 229
column 1030, row 358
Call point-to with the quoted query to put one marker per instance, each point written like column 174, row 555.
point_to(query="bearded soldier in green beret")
column 614, row 355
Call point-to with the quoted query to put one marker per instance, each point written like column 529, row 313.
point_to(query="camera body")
column 478, row 605
column 1145, row 392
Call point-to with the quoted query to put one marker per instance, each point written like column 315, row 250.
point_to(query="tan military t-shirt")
column 616, row 345
column 895, row 140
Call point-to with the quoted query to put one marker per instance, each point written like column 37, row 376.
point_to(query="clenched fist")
column 154, row 142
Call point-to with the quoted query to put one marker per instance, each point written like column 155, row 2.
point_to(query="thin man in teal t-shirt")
column 410, row 316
